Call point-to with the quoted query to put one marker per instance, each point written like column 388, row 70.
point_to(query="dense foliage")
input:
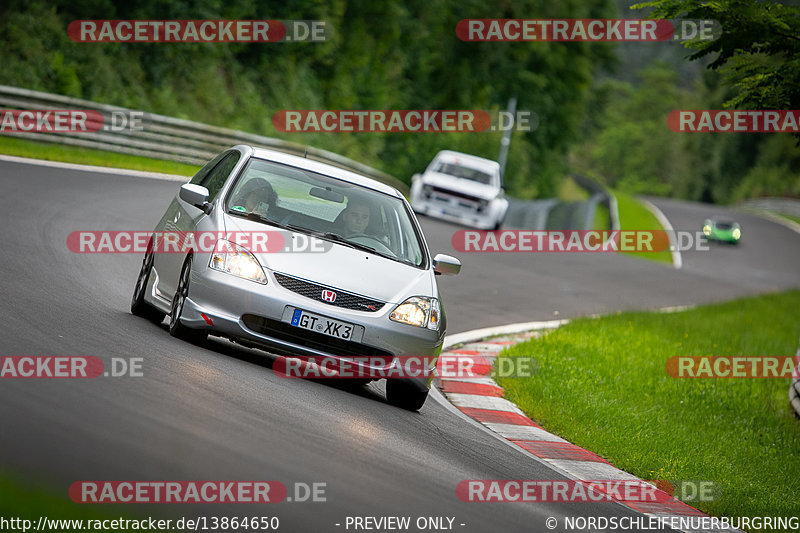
column 383, row 55
column 755, row 64
column 602, row 104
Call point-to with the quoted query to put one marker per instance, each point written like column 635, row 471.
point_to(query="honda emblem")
column 329, row 296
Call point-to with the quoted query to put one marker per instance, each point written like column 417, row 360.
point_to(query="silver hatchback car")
column 302, row 259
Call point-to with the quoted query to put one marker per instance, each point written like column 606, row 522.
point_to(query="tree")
column 758, row 51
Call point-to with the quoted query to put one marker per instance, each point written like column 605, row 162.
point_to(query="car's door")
column 182, row 217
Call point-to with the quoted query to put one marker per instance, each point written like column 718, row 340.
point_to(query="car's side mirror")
column 445, row 264
column 197, row 195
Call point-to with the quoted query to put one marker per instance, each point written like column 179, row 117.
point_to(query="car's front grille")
column 311, row 339
column 448, row 192
column 315, row 291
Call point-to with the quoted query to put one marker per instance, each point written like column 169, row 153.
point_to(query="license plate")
column 320, row 324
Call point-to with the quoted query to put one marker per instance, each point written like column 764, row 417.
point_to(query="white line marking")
column 478, row 401
column 467, row 379
column 589, row 470
column 478, row 334
column 677, row 260
column 518, row 432
column 791, row 224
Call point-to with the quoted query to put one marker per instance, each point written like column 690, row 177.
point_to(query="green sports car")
column 722, row 229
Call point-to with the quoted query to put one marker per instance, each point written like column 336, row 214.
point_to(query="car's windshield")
column 467, row 173
column 327, row 207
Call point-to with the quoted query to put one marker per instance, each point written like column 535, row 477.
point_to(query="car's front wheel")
column 406, row 394
column 139, row 306
column 176, row 327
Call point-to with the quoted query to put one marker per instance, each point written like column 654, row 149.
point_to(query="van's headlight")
column 233, row 259
column 420, row 311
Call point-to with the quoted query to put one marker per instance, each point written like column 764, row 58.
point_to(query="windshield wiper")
column 252, row 215
column 341, row 240
column 335, row 237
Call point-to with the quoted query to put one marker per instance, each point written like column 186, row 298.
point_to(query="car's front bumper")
column 247, row 311
column 488, row 218
column 724, row 236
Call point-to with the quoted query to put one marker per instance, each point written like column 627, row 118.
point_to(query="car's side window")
column 203, row 172
column 217, row 177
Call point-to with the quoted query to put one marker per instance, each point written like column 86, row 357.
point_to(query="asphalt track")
column 218, row 412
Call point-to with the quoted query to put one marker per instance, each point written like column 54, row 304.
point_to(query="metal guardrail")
column 552, row 213
column 600, row 195
column 164, row 137
column 789, row 206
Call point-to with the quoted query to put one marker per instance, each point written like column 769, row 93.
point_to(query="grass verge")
column 570, row 191
column 633, row 216
column 602, row 384
column 602, row 220
column 25, row 501
column 789, row 217
column 88, row 156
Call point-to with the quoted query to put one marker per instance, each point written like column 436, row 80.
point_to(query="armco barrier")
column 165, row 137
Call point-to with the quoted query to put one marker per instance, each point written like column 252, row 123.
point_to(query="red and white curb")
column 481, row 399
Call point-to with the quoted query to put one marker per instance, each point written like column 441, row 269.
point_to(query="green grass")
column 790, row 217
column 602, row 384
column 602, row 220
column 570, row 191
column 634, row 216
column 29, row 501
column 87, row 156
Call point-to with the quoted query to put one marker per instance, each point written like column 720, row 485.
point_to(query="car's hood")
column 461, row 185
column 342, row 267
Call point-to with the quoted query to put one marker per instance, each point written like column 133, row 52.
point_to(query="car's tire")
column 139, row 306
column 406, row 394
column 176, row 328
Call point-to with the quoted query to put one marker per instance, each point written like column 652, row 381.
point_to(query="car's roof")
column 450, row 156
column 324, row 169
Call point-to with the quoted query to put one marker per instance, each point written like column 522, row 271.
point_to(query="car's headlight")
column 736, row 233
column 233, row 259
column 421, row 311
column 707, row 230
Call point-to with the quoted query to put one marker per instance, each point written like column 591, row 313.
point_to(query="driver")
column 355, row 219
column 257, row 196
